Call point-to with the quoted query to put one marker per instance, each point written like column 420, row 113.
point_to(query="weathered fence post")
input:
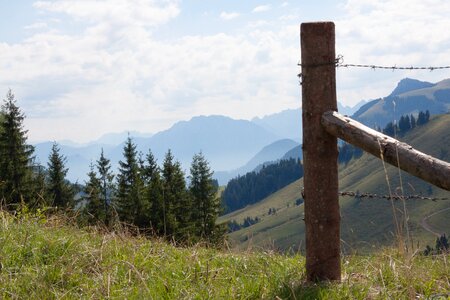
column 320, row 153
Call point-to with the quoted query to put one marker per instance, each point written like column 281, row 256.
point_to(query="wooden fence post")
column 320, row 153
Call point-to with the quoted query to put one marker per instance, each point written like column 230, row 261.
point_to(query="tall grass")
column 44, row 258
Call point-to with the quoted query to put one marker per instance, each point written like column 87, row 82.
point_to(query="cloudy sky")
column 81, row 68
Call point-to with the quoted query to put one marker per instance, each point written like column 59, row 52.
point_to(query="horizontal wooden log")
column 419, row 164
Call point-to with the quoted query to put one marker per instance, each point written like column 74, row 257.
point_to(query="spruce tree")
column 427, row 116
column 176, row 208
column 413, row 121
column 94, row 203
column 59, row 190
column 421, row 119
column 206, row 205
column 129, row 185
column 15, row 155
column 407, row 123
column 153, row 194
column 106, row 185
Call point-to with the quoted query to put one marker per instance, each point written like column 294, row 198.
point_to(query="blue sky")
column 83, row 68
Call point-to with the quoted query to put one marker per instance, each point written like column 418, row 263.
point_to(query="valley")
column 366, row 223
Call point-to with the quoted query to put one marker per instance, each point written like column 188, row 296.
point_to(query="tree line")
column 406, row 123
column 255, row 186
column 157, row 199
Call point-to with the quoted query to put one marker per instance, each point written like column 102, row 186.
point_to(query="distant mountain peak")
column 409, row 84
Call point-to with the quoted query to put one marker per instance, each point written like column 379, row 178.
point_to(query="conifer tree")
column 421, row 119
column 129, row 185
column 413, row 121
column 407, row 123
column 106, row 185
column 59, row 191
column 176, row 208
column 206, row 205
column 15, row 155
column 94, row 205
column 154, row 194
column 427, row 116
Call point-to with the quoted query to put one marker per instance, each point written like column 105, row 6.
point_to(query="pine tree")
column 94, row 203
column 413, row 121
column 176, row 208
column 15, row 155
column 106, row 185
column 427, row 116
column 129, row 185
column 390, row 129
column 59, row 191
column 404, row 124
column 421, row 119
column 182, row 204
column 206, row 205
column 153, row 194
column 407, row 123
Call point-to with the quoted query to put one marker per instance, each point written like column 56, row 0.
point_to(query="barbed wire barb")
column 390, row 197
column 339, row 63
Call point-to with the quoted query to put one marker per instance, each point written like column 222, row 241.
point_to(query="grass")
column 42, row 258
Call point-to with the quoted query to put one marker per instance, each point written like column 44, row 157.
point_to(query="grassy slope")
column 45, row 259
column 365, row 223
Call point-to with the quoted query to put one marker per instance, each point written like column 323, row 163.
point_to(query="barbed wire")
column 390, row 197
column 339, row 63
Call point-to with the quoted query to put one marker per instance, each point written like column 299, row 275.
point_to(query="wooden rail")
column 392, row 151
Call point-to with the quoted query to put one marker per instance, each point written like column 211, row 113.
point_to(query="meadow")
column 50, row 257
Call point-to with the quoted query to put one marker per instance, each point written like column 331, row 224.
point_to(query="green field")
column 367, row 224
column 44, row 258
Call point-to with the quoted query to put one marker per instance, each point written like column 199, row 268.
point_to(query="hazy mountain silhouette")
column 269, row 153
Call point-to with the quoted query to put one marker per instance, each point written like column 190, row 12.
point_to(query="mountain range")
column 409, row 97
column 269, row 153
column 235, row 147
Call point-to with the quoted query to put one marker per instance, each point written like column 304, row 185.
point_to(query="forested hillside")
column 255, row 186
column 366, row 223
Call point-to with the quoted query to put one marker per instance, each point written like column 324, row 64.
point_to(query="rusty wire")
column 360, row 195
column 339, row 63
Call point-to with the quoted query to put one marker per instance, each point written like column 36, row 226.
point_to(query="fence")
column 322, row 125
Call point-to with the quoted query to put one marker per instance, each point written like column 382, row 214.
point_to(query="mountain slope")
column 365, row 222
column 286, row 124
column 296, row 153
column 78, row 158
column 269, row 153
column 409, row 97
column 225, row 142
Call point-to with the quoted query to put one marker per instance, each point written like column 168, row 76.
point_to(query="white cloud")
column 261, row 8
column 38, row 25
column 229, row 16
column 114, row 75
column 284, row 4
column 401, row 33
column 137, row 12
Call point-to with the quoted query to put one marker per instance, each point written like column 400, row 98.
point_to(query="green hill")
column 366, row 223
